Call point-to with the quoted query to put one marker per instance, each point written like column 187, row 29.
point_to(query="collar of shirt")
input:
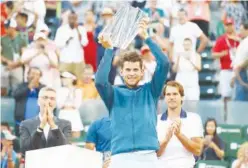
column 164, row 116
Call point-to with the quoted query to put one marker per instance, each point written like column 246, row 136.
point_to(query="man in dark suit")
column 44, row 130
column 26, row 97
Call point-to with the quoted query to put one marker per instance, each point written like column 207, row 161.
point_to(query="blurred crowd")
column 55, row 44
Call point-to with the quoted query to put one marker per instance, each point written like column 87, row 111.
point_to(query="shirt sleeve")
column 84, row 38
column 218, row 46
column 92, row 133
column 197, row 31
column 172, row 36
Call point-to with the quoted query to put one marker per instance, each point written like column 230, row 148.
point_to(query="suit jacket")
column 32, row 139
column 20, row 95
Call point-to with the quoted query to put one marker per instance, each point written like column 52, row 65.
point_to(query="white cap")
column 68, row 75
column 40, row 35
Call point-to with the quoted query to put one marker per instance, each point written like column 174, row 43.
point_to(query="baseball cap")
column 10, row 23
column 228, row 21
column 68, row 75
column 144, row 49
column 7, row 135
column 40, row 35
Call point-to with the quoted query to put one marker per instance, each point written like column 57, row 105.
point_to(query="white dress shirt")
column 73, row 51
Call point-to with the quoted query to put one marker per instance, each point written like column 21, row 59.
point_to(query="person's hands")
column 169, row 134
column 9, row 151
column 50, row 118
column 10, row 65
column 105, row 41
column 207, row 140
column 106, row 163
column 177, row 126
column 43, row 121
column 142, row 28
column 224, row 53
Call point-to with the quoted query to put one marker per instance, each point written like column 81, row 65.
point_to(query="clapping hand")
column 105, row 41
column 177, row 126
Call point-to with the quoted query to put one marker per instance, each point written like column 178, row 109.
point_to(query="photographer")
column 43, row 55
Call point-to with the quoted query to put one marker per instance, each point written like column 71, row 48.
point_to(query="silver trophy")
column 123, row 28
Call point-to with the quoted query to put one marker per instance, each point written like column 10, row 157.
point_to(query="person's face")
column 47, row 98
column 187, row 44
column 173, row 98
column 21, row 21
column 87, row 75
column 72, row 20
column 153, row 4
column 229, row 28
column 132, row 73
column 40, row 42
column 106, row 18
column 34, row 74
column 210, row 128
column 89, row 16
column 246, row 154
column 67, row 81
column 182, row 17
column 243, row 32
column 4, row 128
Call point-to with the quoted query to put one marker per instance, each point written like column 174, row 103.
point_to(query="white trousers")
column 135, row 160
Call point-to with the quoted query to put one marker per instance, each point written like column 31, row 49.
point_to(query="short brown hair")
column 176, row 85
column 130, row 56
column 45, row 89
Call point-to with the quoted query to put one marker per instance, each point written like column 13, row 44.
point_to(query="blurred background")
column 54, row 43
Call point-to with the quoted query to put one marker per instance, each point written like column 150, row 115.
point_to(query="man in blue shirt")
column 26, row 96
column 132, row 107
column 99, row 137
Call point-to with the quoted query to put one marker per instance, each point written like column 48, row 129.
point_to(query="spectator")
column 8, row 155
column 41, row 54
column 69, row 99
column 180, row 133
column 70, row 38
column 12, row 46
column 26, row 97
column 90, row 50
column 22, row 19
column 149, row 64
column 241, row 79
column 87, row 85
column 45, row 130
column 154, row 13
column 16, row 145
column 187, row 64
column 199, row 13
column 99, row 137
column 174, row 8
column 214, row 147
column 242, row 157
column 186, row 29
column 235, row 10
column 224, row 49
column 37, row 6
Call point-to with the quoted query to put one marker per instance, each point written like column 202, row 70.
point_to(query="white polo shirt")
column 175, row 155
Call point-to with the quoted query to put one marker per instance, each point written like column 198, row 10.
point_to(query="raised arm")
column 161, row 70
column 103, row 86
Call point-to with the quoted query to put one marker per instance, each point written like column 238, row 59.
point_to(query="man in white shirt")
column 45, row 130
column 71, row 38
column 186, row 29
column 180, row 133
column 240, row 65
